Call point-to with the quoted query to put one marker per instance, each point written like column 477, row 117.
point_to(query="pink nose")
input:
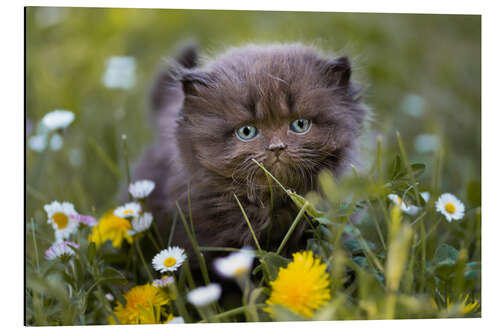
column 276, row 147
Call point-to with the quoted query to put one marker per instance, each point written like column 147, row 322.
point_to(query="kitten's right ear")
column 192, row 81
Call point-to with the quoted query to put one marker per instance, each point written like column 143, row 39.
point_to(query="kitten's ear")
column 166, row 85
column 338, row 71
column 192, row 81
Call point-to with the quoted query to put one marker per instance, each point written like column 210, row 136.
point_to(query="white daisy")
column 405, row 208
column 204, row 295
column 61, row 249
column 235, row 264
column 62, row 218
column 452, row 208
column 58, row 119
column 120, row 72
column 130, row 209
column 141, row 223
column 169, row 259
column 426, row 196
column 163, row 282
column 141, row 188
column 110, row 297
column 176, row 320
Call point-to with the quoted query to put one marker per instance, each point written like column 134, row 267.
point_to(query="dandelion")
column 169, row 259
column 61, row 249
column 61, row 217
column 144, row 305
column 235, row 265
column 204, row 295
column 130, row 209
column 405, row 208
column 452, row 208
column 141, row 188
column 164, row 281
column 113, row 228
column 120, row 73
column 303, row 286
column 58, row 119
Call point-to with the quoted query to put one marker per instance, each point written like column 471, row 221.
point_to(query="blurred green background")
column 421, row 75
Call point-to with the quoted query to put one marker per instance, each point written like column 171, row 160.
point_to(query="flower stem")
column 248, row 223
column 292, row 228
column 139, row 252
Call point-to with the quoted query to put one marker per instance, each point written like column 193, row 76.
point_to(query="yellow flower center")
column 240, row 271
column 128, row 211
column 450, row 208
column 169, row 262
column 60, row 219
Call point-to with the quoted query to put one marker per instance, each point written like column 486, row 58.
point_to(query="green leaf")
column 301, row 201
column 418, row 169
column 113, row 276
column 273, row 262
column 91, row 252
column 444, row 261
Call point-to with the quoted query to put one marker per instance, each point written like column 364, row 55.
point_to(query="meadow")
column 411, row 255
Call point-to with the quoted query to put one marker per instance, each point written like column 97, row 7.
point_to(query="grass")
column 386, row 265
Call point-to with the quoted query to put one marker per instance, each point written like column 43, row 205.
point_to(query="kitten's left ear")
column 192, row 80
column 338, row 71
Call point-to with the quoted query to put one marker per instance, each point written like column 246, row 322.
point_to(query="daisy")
column 60, row 249
column 163, row 282
column 141, row 188
column 176, row 320
column 85, row 219
column 169, row 259
column 204, row 295
column 109, row 297
column 141, row 223
column 235, row 265
column 130, row 209
column 120, row 73
column 58, row 119
column 303, row 286
column 452, row 208
column 405, row 208
column 61, row 217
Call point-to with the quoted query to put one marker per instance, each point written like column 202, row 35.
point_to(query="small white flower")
column 452, row 208
column 141, row 223
column 62, row 217
column 235, row 264
column 120, row 73
column 60, row 249
column 204, row 295
column 38, row 142
column 110, row 297
column 58, row 119
column 163, row 282
column 56, row 142
column 405, row 208
column 130, row 209
column 426, row 196
column 176, row 320
column 141, row 188
column 85, row 219
column 169, row 259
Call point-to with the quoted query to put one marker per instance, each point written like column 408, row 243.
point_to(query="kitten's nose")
column 276, row 146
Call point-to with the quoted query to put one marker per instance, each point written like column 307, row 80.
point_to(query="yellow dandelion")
column 464, row 306
column 144, row 305
column 303, row 286
column 111, row 227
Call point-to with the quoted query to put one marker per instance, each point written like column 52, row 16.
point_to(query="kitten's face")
column 293, row 120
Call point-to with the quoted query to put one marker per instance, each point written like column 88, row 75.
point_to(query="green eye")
column 247, row 132
column 300, row 126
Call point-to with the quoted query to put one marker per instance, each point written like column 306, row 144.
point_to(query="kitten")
column 286, row 106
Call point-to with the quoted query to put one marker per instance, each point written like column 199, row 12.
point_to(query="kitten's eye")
column 247, row 132
column 300, row 126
